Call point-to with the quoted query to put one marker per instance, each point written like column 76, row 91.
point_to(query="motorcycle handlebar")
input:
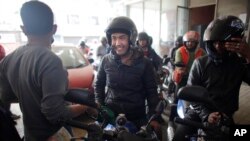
column 81, row 96
column 205, row 125
column 78, row 124
column 189, row 123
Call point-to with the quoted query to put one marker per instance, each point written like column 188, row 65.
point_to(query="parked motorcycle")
column 167, row 69
column 206, row 131
column 169, row 89
column 122, row 130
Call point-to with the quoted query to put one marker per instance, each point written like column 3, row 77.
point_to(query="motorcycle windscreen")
column 181, row 107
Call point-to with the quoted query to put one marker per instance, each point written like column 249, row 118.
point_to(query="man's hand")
column 214, row 117
column 239, row 46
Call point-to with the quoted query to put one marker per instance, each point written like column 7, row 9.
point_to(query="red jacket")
column 2, row 52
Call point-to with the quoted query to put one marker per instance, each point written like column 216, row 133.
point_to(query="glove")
column 106, row 114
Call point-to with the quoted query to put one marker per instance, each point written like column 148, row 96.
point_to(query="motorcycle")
column 166, row 74
column 122, row 130
column 169, row 89
column 206, row 131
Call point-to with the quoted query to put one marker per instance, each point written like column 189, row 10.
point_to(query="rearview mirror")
column 196, row 94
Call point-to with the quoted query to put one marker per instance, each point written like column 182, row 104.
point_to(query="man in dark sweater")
column 35, row 76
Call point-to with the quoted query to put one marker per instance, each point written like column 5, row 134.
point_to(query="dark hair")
column 82, row 44
column 37, row 18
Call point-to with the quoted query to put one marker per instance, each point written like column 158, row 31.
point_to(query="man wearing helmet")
column 144, row 42
column 185, row 56
column 178, row 43
column 127, row 75
column 221, row 72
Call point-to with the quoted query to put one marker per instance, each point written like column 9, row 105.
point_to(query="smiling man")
column 127, row 75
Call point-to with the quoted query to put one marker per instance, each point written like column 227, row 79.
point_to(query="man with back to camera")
column 35, row 76
column 127, row 75
column 221, row 72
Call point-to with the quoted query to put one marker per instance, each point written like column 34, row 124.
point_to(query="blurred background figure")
column 144, row 42
column 84, row 48
column 2, row 52
column 178, row 43
column 103, row 48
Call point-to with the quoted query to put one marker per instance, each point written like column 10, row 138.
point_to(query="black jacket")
column 127, row 85
column 155, row 59
column 222, row 81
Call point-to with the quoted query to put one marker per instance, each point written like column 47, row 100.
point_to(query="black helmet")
column 143, row 36
column 122, row 24
column 222, row 30
column 179, row 41
column 82, row 44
